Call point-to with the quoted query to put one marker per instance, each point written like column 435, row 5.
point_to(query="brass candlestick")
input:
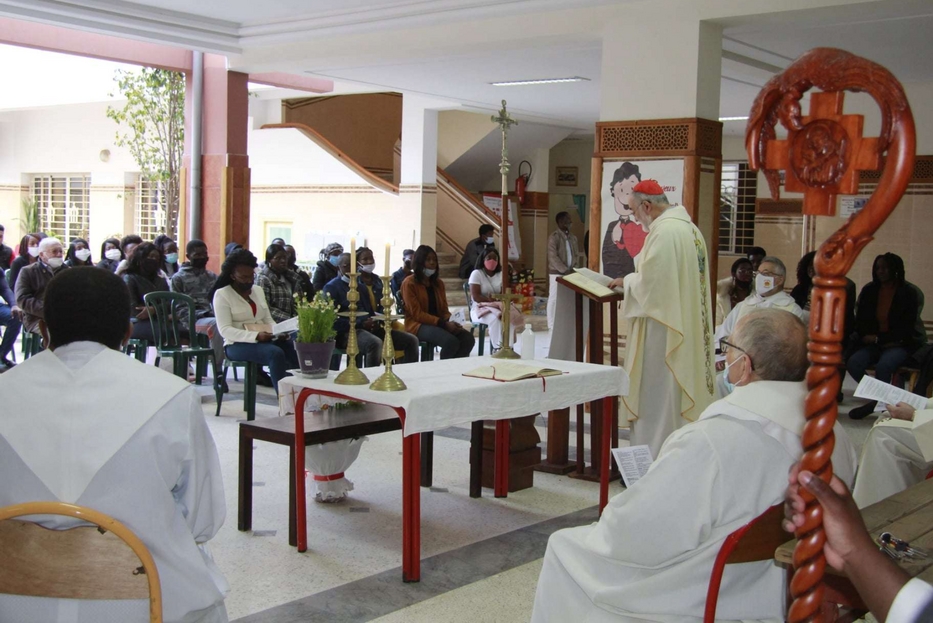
column 506, row 351
column 388, row 382
column 352, row 374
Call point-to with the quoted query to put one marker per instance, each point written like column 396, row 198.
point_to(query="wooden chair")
column 753, row 542
column 165, row 309
column 103, row 561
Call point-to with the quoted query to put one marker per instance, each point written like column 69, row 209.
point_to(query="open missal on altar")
column 508, row 372
column 633, row 462
column 593, row 282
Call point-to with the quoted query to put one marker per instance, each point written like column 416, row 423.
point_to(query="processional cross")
column 822, row 157
column 506, row 298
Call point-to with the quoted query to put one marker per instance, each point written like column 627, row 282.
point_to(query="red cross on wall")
column 828, row 151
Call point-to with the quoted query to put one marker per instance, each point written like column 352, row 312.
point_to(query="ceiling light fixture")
column 733, row 118
column 518, row 83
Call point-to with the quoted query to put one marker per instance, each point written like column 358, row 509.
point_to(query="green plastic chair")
column 136, row 348
column 481, row 325
column 249, row 384
column 165, row 309
column 32, row 344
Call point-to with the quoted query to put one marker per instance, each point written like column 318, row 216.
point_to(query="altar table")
column 439, row 396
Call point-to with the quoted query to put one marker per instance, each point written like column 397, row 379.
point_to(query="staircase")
column 448, row 265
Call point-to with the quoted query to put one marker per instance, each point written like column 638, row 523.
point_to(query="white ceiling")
column 343, row 40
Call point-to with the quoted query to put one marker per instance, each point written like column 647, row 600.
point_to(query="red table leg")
column 501, row 475
column 604, row 453
column 411, row 508
column 301, row 517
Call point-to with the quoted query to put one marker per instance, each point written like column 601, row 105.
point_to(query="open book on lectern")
column 593, row 282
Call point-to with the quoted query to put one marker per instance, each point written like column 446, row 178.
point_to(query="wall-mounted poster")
column 623, row 237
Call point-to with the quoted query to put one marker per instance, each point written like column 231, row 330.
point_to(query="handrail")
column 466, row 196
column 449, row 241
column 336, row 152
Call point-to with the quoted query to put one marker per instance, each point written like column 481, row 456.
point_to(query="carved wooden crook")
column 822, row 156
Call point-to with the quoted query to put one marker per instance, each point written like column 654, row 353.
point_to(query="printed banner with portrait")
column 623, row 237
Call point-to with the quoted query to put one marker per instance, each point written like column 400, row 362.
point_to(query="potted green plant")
column 316, row 335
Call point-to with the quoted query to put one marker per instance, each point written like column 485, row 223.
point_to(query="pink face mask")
column 491, row 265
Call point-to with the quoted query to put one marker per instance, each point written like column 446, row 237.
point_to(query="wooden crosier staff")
column 822, row 156
column 506, row 298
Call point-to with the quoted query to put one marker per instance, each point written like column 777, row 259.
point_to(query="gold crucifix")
column 506, row 298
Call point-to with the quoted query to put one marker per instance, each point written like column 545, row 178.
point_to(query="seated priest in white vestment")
column 669, row 355
column 768, row 294
column 893, row 458
column 85, row 424
column 650, row 555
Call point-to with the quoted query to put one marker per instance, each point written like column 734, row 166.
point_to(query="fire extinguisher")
column 521, row 182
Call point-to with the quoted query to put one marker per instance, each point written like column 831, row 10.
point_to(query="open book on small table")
column 507, row 372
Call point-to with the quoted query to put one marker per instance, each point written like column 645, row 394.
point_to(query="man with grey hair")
column 669, row 354
column 649, row 556
column 768, row 294
column 30, row 285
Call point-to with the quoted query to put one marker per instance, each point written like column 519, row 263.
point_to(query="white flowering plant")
column 316, row 319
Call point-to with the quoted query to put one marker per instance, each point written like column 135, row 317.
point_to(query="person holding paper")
column 669, row 356
column 650, row 554
column 237, row 303
column 894, row 456
column 885, row 317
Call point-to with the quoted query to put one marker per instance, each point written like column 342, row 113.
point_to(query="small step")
column 448, row 258
column 449, row 271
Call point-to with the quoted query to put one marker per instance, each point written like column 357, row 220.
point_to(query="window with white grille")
column 149, row 214
column 737, row 192
column 64, row 205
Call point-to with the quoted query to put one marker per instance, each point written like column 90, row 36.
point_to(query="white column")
column 418, row 185
column 654, row 68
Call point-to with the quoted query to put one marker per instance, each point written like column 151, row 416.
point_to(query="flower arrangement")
column 316, row 319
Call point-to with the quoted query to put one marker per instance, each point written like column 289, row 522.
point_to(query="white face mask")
column 83, row 254
column 367, row 268
column 55, row 262
column 33, row 251
column 112, row 254
column 429, row 272
column 764, row 283
column 489, row 240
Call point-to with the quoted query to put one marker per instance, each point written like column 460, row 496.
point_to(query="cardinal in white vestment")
column 892, row 459
column 669, row 354
column 85, row 424
column 650, row 555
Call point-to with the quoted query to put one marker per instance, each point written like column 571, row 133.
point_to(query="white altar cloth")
column 439, row 396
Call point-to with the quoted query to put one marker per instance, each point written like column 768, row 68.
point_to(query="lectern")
column 557, row 460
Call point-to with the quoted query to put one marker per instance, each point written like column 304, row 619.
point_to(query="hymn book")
column 593, row 282
column 633, row 462
column 507, row 372
column 279, row 328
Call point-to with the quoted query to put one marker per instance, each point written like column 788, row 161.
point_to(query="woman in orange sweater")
column 426, row 312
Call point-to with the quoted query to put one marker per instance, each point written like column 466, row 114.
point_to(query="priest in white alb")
column 896, row 455
column 84, row 424
column 650, row 555
column 669, row 353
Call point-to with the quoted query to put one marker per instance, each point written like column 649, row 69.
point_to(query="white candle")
column 388, row 246
column 352, row 255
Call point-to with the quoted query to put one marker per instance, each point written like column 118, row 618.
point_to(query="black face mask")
column 199, row 262
column 242, row 288
column 149, row 266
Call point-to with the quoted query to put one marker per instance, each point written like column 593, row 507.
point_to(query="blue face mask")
column 333, row 259
column 171, row 258
column 345, row 278
column 730, row 386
